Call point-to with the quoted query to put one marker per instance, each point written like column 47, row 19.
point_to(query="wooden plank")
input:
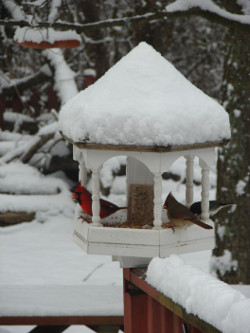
column 155, row 149
column 10, row 218
column 63, row 320
column 105, row 328
column 167, row 320
column 154, row 316
column 135, row 307
column 49, row 329
column 137, row 277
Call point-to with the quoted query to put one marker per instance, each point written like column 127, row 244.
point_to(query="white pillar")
column 83, row 174
column 189, row 179
column 157, row 201
column 205, row 190
column 96, row 198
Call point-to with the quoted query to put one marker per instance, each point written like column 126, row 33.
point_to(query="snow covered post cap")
column 38, row 38
column 143, row 100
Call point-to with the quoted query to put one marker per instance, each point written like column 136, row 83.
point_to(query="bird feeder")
column 46, row 38
column 145, row 109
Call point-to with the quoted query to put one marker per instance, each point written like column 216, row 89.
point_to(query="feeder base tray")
column 144, row 243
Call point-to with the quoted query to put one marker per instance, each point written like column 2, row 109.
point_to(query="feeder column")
column 189, row 179
column 157, row 201
column 96, row 198
column 205, row 190
column 83, row 174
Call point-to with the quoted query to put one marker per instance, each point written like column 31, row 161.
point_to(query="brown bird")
column 180, row 215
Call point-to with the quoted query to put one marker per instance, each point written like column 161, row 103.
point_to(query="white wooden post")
column 83, row 174
column 205, row 190
column 189, row 179
column 96, row 198
column 157, row 201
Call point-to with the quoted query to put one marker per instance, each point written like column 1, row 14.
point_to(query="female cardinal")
column 84, row 198
column 180, row 215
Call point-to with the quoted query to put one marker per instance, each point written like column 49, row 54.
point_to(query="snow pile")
column 19, row 178
column 46, row 195
column 38, row 35
column 201, row 294
column 143, row 100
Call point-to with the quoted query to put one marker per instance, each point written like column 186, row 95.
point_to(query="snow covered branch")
column 30, row 81
column 180, row 8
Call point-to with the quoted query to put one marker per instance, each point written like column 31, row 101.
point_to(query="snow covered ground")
column 40, row 256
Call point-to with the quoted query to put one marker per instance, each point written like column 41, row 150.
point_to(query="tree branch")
column 148, row 17
column 31, row 81
column 34, row 148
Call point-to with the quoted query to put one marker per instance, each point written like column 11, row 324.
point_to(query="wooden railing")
column 148, row 311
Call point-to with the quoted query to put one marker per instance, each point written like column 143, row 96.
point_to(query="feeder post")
column 157, row 201
column 96, row 198
column 205, row 190
column 189, row 179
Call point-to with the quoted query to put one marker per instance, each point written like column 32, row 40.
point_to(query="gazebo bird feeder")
column 145, row 109
column 46, row 38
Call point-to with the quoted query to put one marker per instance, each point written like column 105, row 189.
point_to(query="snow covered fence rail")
column 173, row 297
column 53, row 308
column 205, row 302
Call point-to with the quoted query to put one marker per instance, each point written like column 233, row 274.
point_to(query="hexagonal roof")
column 144, row 101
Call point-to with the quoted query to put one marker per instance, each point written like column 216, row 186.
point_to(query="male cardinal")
column 214, row 207
column 180, row 215
column 84, row 198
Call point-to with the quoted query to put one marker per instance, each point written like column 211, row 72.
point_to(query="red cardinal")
column 180, row 215
column 84, row 198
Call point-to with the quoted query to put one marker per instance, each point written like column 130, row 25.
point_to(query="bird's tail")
column 202, row 224
column 227, row 204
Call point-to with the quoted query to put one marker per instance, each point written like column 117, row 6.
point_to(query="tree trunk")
column 233, row 183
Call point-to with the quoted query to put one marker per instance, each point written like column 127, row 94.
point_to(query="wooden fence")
column 148, row 311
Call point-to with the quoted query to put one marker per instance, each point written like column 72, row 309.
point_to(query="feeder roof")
column 143, row 100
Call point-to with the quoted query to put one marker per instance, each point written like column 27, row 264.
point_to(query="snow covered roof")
column 144, row 100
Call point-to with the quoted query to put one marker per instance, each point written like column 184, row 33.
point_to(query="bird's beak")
column 74, row 196
column 164, row 206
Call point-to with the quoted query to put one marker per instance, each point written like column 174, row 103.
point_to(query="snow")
column 209, row 5
column 23, row 179
column 15, row 10
column 143, row 100
column 240, row 187
column 64, row 76
column 245, row 6
column 58, row 300
column 53, row 15
column 90, row 72
column 223, row 263
column 200, row 294
column 39, row 35
column 47, row 196
column 237, row 113
column 12, row 116
column 39, row 261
